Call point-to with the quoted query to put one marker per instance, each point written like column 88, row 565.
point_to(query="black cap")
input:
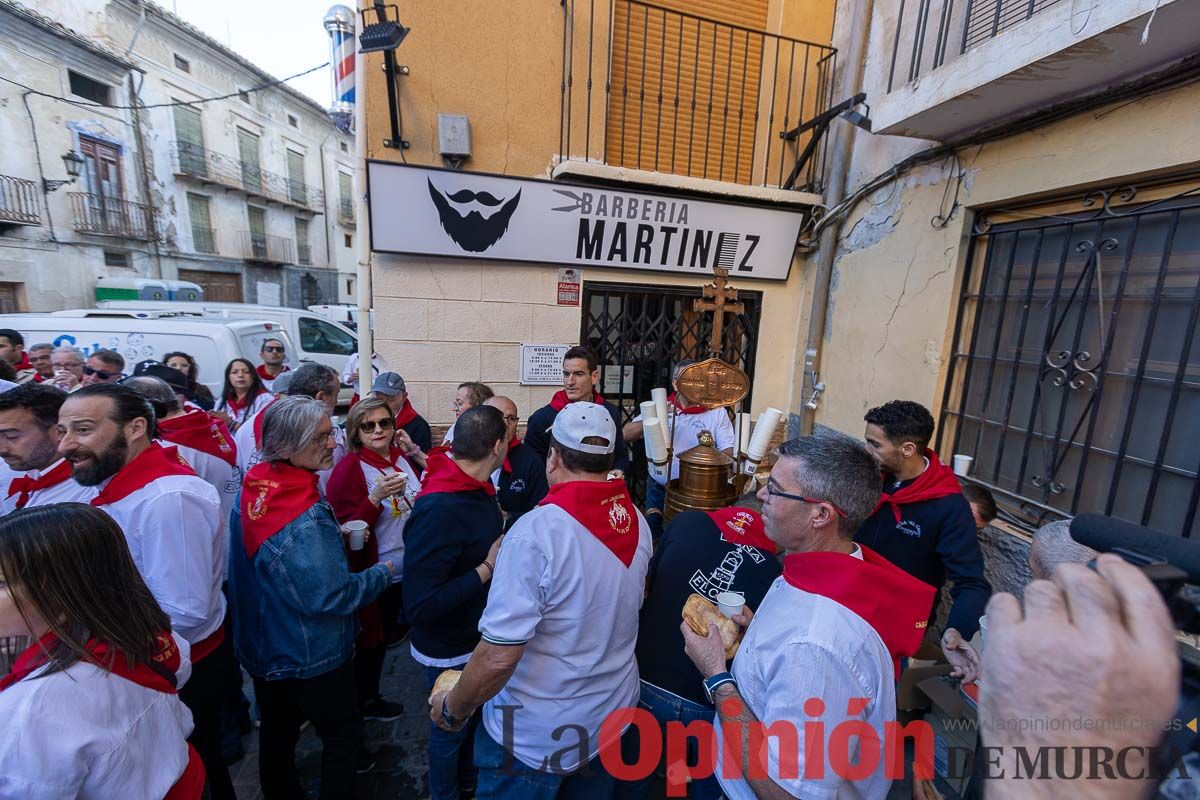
column 155, row 369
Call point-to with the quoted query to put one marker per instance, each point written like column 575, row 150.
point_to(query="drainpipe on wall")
column 328, row 218
column 144, row 168
column 362, row 230
column 851, row 84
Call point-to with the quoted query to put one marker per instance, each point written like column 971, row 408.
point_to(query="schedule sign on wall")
column 542, row 364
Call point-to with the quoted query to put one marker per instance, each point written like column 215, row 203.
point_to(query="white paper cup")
column 730, row 603
column 962, row 465
column 983, row 630
column 358, row 533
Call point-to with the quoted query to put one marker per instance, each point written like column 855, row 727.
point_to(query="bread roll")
column 698, row 612
column 446, row 681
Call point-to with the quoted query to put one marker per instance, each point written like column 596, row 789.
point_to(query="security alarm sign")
column 568, row 287
column 436, row 212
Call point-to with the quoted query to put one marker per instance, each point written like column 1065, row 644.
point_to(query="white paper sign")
column 542, row 364
column 268, row 293
column 426, row 211
column 617, row 380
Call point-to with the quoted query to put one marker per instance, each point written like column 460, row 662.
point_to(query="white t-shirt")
column 67, row 491
column 174, row 530
column 560, row 591
column 260, row 402
column 88, row 734
column 393, row 514
column 687, row 430
column 378, row 365
column 802, row 645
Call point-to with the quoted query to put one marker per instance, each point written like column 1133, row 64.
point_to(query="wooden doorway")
column 219, row 287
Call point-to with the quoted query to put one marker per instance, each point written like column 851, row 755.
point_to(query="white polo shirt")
column 393, row 513
column 67, row 491
column 574, row 605
column 687, row 430
column 86, row 733
column 174, row 530
column 801, row 645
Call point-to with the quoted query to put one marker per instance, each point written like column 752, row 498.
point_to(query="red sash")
column 513, row 445
column 261, row 369
column 258, row 422
column 190, row 785
column 605, row 509
column 201, row 431
column 937, row 481
column 273, row 494
column 27, row 486
column 888, row 599
column 406, row 414
column 443, row 475
column 154, row 462
column 742, row 526
column 560, row 400
column 682, row 409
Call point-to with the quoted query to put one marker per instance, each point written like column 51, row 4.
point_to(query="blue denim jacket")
column 293, row 604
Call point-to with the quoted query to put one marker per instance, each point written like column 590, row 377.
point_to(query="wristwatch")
column 710, row 685
column 447, row 717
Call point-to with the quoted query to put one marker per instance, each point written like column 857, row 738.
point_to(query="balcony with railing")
column 209, row 167
column 102, row 215
column 265, row 248
column 650, row 89
column 19, row 202
column 956, row 66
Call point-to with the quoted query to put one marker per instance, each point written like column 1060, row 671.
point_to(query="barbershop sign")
column 437, row 212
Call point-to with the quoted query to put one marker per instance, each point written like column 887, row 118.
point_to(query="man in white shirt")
column 172, row 523
column 33, row 473
column 685, row 422
column 559, row 630
column 823, row 643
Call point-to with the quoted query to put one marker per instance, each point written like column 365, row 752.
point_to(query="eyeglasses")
column 384, row 424
column 102, row 374
column 511, row 419
column 773, row 491
column 272, row 349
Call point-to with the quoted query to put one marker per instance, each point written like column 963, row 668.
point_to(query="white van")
column 139, row 335
column 318, row 339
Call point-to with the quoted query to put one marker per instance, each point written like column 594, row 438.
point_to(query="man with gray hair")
column 827, row 638
column 67, row 364
column 1053, row 546
column 294, row 601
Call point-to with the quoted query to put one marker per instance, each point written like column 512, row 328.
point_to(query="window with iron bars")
column 1075, row 380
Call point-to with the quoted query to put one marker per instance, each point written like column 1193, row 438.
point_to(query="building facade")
column 248, row 195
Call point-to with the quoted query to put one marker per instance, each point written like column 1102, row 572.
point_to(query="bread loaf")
column 446, row 681
column 698, row 612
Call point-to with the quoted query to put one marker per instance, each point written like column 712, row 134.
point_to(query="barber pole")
column 339, row 22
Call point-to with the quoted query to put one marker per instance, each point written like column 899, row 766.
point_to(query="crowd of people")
column 158, row 543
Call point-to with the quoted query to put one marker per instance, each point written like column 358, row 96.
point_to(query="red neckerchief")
column 742, row 526
column 682, row 409
column 258, row 422
column 443, row 475
column 406, row 414
column 513, row 445
column 938, row 480
column 24, row 362
column 261, row 369
column 605, row 509
column 27, row 485
column 274, row 493
column 158, row 675
column 560, row 400
column 201, row 431
column 888, row 599
column 236, row 405
column 371, row 458
column 154, row 462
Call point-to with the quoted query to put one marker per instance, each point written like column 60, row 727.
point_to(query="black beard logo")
column 473, row 232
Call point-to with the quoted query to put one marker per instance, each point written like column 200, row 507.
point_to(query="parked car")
column 139, row 335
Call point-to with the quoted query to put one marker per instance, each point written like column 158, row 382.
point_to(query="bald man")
column 521, row 480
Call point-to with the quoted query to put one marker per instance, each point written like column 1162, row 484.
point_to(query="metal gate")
column 640, row 331
column 1075, row 380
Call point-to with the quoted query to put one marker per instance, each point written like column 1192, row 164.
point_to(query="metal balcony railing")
column 265, row 248
column 655, row 89
column 930, row 31
column 304, row 254
column 18, row 201
column 204, row 240
column 346, row 211
column 208, row 166
column 103, row 215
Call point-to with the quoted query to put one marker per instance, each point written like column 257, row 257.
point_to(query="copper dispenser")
column 704, row 480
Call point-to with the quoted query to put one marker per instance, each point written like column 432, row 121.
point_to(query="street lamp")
column 73, row 162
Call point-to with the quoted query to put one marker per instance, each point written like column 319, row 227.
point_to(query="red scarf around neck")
column 27, row 485
column 24, row 363
column 938, row 480
column 158, row 675
column 682, row 409
column 513, row 445
column 605, row 509
column 201, row 431
column 274, row 493
column 152, row 463
column 371, row 458
column 742, row 526
column 405, row 415
column 261, row 369
column 443, row 475
column 560, row 400
column 895, row 604
column 237, row 406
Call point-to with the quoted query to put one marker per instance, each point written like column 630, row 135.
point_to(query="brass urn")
column 703, row 482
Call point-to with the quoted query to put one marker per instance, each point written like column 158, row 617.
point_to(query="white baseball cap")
column 579, row 421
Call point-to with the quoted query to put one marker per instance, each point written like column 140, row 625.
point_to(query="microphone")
column 1106, row 534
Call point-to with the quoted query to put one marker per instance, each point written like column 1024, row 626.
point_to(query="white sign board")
column 542, row 364
column 437, row 212
column 268, row 293
column 617, row 380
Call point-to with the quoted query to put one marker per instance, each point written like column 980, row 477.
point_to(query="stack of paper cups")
column 659, row 398
column 768, row 421
column 654, row 431
column 648, row 410
column 743, row 431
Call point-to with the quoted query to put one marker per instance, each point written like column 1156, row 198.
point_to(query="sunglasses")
column 369, row 426
column 272, row 349
column 102, row 374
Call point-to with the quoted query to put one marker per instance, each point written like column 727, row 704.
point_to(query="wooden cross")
column 717, row 298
